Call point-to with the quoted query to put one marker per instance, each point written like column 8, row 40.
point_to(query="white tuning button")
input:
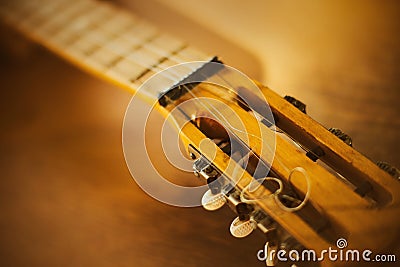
column 241, row 229
column 213, row 202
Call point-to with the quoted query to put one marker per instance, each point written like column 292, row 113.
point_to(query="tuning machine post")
column 342, row 136
column 222, row 192
column 297, row 103
column 213, row 199
column 393, row 171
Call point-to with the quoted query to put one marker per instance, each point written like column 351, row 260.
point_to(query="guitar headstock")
column 300, row 183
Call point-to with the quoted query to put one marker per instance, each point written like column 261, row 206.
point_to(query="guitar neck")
column 123, row 49
column 104, row 40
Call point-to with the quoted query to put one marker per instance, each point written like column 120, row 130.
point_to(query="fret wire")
column 166, row 83
column 156, row 49
column 57, row 24
column 132, row 80
column 69, row 38
column 93, row 49
column 132, row 50
column 128, row 48
column 175, row 77
column 119, row 72
column 144, row 56
column 142, row 45
column 124, row 70
column 178, row 58
column 135, row 48
column 93, row 56
column 105, row 44
column 114, row 55
column 171, row 57
column 156, row 65
column 42, row 15
column 82, row 47
column 110, row 44
column 102, row 44
column 42, row 27
column 142, row 31
column 171, row 74
column 152, row 48
column 94, row 24
column 97, row 43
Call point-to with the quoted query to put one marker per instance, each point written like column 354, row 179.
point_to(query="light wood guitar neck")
column 102, row 39
column 362, row 206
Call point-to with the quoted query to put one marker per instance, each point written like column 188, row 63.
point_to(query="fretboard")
column 105, row 40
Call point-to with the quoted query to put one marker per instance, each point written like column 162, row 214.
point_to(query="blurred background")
column 66, row 196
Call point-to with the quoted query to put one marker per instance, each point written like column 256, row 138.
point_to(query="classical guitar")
column 304, row 186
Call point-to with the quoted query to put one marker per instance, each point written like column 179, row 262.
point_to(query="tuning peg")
column 393, row 171
column 212, row 201
column 297, row 103
column 241, row 229
column 342, row 136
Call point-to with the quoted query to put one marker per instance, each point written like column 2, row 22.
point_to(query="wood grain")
column 67, row 198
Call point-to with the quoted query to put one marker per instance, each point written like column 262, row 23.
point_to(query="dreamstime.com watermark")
column 331, row 254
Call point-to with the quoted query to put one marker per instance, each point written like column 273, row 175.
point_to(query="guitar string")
column 96, row 40
column 151, row 48
column 154, row 49
column 164, row 72
column 176, row 59
column 172, row 75
column 276, row 194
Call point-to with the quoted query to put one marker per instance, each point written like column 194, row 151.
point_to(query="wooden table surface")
column 67, row 198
